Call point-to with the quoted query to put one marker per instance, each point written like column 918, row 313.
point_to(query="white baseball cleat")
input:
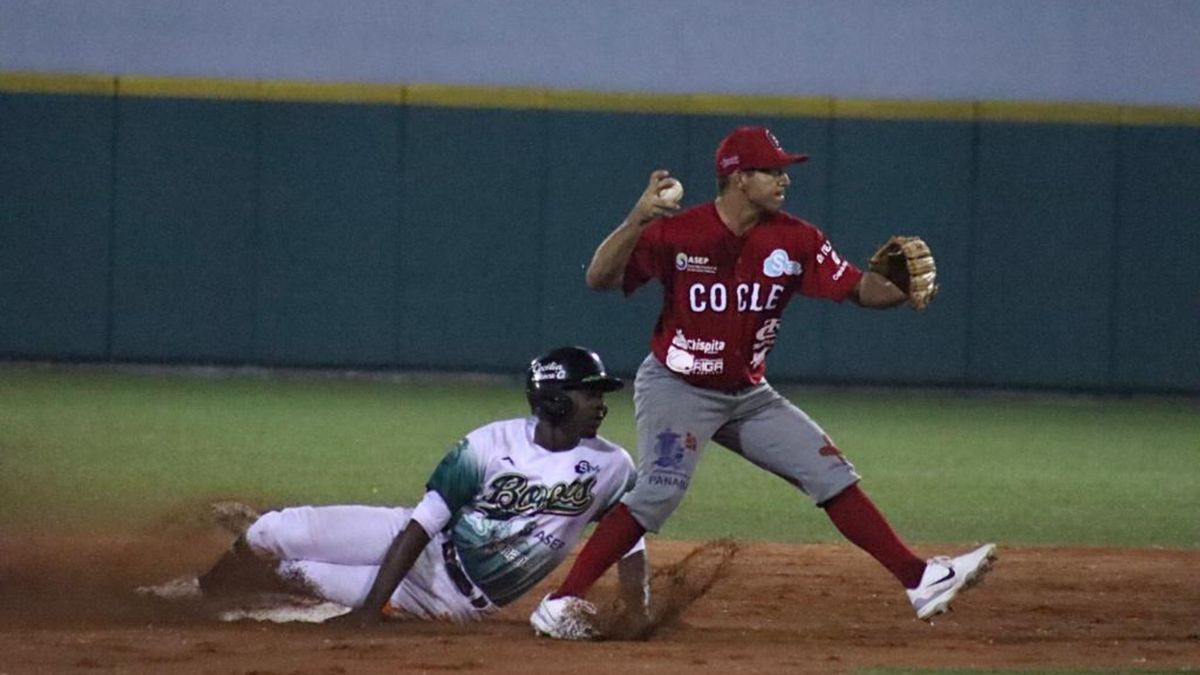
column 946, row 577
column 181, row 588
column 566, row 618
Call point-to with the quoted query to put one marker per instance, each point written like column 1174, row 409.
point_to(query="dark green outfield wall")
column 361, row 235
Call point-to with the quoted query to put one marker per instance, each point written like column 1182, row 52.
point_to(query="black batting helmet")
column 559, row 370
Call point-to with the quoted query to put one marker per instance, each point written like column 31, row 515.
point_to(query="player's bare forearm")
column 400, row 557
column 874, row 291
column 607, row 269
column 633, row 571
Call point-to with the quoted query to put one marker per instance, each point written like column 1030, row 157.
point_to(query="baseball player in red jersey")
column 728, row 268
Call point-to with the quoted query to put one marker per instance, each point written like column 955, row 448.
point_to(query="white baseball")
column 672, row 193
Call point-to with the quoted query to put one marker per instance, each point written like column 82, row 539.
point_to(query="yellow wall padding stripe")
column 765, row 106
column 525, row 98
column 182, row 87
column 451, row 96
column 59, row 83
column 565, row 99
column 964, row 111
column 1077, row 113
column 1136, row 115
column 322, row 92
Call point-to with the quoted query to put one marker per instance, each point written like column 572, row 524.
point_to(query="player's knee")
column 651, row 516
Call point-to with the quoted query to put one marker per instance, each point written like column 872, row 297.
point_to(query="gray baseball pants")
column 676, row 420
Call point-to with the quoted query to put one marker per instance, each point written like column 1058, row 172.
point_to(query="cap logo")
column 731, row 160
column 774, row 141
column 544, row 372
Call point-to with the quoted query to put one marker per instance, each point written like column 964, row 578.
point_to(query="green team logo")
column 511, row 494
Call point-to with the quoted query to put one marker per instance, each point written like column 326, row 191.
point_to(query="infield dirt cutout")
column 67, row 606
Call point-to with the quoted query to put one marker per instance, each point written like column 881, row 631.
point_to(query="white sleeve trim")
column 637, row 548
column 432, row 513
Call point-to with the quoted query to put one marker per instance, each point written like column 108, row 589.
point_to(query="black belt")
column 459, row 577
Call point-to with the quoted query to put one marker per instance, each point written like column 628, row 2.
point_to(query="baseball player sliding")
column 502, row 510
column 728, row 268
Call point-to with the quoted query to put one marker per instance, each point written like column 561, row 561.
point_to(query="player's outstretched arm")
column 607, row 268
column 874, row 291
column 400, row 558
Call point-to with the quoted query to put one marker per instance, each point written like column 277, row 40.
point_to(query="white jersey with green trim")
column 518, row 508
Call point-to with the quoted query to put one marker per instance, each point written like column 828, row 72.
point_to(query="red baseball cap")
column 752, row 148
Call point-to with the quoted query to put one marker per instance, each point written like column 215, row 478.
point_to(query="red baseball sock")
column 614, row 536
column 856, row 517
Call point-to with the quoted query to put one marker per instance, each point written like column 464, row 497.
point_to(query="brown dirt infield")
column 66, row 607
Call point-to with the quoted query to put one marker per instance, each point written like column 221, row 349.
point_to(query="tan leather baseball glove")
column 908, row 263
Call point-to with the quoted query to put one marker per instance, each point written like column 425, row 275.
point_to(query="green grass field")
column 90, row 446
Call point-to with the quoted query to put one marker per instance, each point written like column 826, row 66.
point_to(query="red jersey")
column 723, row 294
